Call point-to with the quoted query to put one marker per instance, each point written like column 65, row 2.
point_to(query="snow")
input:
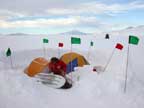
column 90, row 89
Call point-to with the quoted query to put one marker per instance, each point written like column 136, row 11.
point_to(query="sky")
column 56, row 16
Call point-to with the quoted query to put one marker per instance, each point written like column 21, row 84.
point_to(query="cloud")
column 79, row 21
column 137, row 5
column 38, row 23
column 52, row 13
column 31, row 7
column 90, row 24
column 6, row 14
column 61, row 7
column 96, row 8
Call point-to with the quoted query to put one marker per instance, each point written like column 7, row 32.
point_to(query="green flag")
column 8, row 52
column 91, row 43
column 75, row 40
column 45, row 40
column 133, row 40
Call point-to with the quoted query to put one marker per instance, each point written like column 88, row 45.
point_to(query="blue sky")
column 55, row 16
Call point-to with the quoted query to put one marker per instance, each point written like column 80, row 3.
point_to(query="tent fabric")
column 71, row 65
column 38, row 65
column 73, row 60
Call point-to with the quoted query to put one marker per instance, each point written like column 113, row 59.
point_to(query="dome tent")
column 37, row 65
column 72, row 60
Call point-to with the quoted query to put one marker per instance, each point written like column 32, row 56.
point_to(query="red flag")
column 60, row 44
column 119, row 46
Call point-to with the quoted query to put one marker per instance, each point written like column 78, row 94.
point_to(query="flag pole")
column 11, row 62
column 71, row 63
column 109, row 60
column 58, row 52
column 71, row 48
column 8, row 54
column 88, row 52
column 44, row 50
column 126, row 73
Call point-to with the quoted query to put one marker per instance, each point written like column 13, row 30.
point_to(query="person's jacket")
column 58, row 68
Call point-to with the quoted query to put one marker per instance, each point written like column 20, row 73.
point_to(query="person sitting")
column 58, row 67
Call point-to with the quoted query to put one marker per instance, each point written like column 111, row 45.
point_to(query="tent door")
column 71, row 65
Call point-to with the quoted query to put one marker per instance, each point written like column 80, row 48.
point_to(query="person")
column 58, row 67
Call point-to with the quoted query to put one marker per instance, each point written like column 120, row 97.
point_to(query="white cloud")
column 77, row 21
column 80, row 21
column 137, row 5
column 5, row 14
column 65, row 9
column 38, row 23
column 68, row 15
column 96, row 8
column 89, row 24
column 61, row 7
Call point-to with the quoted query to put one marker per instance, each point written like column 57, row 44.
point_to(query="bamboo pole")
column 11, row 62
column 126, row 73
column 109, row 59
column 88, row 53
column 58, row 52
column 44, row 50
column 71, row 63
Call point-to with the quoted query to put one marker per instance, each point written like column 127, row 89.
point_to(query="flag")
column 8, row 52
column 75, row 40
column 60, row 44
column 91, row 43
column 133, row 40
column 45, row 40
column 119, row 46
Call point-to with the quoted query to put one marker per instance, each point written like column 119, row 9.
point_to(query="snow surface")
column 90, row 89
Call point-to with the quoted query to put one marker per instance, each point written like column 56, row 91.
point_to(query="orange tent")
column 38, row 65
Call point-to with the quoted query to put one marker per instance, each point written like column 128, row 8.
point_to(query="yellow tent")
column 36, row 66
column 73, row 60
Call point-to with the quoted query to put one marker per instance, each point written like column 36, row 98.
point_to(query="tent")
column 73, row 60
column 38, row 65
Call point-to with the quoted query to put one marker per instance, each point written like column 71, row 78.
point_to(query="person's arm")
column 50, row 67
column 62, row 72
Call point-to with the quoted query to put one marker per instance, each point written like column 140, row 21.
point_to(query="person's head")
column 54, row 60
